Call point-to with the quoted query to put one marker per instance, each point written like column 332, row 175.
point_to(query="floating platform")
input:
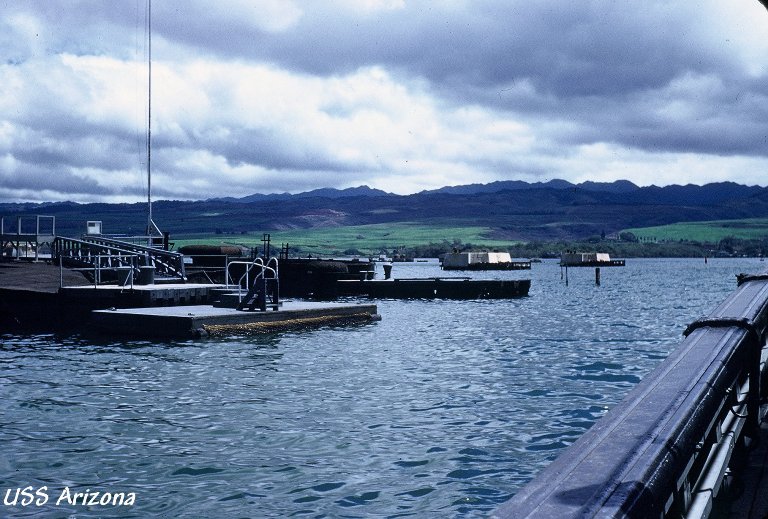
column 589, row 259
column 507, row 265
column 203, row 320
column 608, row 263
column 31, row 300
column 431, row 288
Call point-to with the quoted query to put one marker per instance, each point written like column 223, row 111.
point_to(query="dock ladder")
column 264, row 291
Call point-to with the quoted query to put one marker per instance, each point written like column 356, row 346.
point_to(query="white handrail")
column 97, row 268
column 250, row 264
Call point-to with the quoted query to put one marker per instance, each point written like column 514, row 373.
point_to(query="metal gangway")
column 668, row 449
column 101, row 255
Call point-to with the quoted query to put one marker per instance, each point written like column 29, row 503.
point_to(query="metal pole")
column 150, row 223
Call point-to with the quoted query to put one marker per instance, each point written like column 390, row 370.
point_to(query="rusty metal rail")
column 665, row 450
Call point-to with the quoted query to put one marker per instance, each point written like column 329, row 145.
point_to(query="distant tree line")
column 627, row 246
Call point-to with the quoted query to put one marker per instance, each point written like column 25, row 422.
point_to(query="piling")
column 597, row 276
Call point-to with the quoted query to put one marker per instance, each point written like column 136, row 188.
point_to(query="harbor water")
column 441, row 409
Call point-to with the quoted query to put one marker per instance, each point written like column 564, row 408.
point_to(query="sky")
column 265, row 96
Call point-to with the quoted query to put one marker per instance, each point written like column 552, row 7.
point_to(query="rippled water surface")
column 441, row 409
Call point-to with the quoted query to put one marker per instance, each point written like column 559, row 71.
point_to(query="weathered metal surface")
column 655, row 452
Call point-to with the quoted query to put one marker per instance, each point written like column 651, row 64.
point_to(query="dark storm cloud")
column 566, row 49
column 577, row 57
column 272, row 151
column 277, row 95
column 42, row 177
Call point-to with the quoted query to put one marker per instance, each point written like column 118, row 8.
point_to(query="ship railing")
column 667, row 448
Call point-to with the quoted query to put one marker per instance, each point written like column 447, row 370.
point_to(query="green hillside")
column 366, row 239
column 711, row 232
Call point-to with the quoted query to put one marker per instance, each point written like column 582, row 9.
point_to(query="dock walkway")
column 36, row 277
column 202, row 320
column 31, row 298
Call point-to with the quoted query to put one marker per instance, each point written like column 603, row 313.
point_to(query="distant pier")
column 589, row 259
column 437, row 288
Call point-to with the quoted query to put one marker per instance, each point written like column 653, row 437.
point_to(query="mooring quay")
column 689, row 441
column 170, row 311
column 31, row 299
column 203, row 320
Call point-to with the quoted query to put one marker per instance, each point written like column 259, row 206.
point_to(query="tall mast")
column 152, row 228
column 150, row 223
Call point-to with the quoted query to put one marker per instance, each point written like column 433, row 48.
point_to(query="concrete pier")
column 197, row 320
column 31, row 299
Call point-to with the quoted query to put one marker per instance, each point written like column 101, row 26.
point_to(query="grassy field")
column 712, row 232
column 367, row 239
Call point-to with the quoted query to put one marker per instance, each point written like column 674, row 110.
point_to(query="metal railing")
column 664, row 451
column 31, row 232
column 49, row 230
column 126, row 266
column 90, row 250
column 259, row 281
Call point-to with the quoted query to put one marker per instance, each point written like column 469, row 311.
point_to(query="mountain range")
column 512, row 209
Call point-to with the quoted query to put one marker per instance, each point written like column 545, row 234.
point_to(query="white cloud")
column 23, row 36
column 288, row 96
column 369, row 7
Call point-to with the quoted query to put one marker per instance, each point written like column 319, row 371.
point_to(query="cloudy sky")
column 288, row 95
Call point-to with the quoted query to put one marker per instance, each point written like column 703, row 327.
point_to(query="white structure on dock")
column 32, row 236
column 588, row 259
column 482, row 261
